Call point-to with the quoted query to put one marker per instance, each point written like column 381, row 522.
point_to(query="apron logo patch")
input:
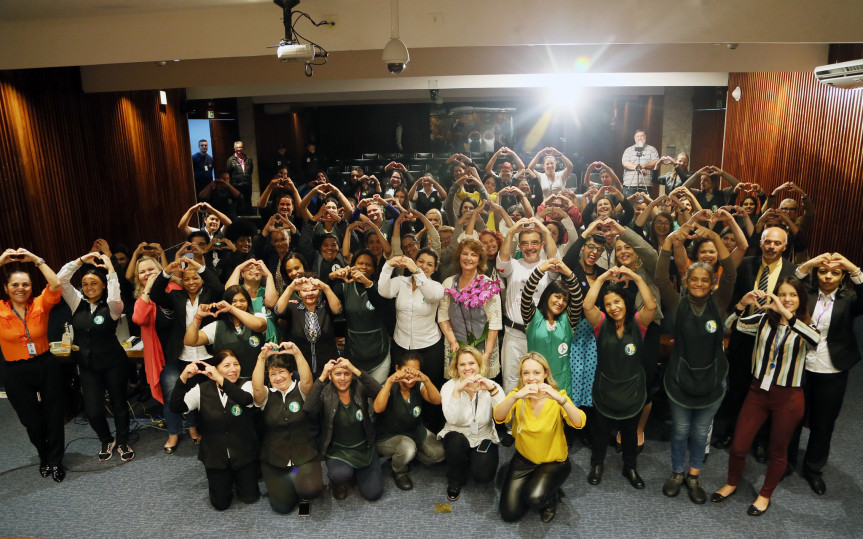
column 416, row 411
column 629, row 349
column 359, row 415
column 254, row 341
column 99, row 320
column 562, row 349
column 236, row 410
column 710, row 326
column 369, row 306
column 294, row 406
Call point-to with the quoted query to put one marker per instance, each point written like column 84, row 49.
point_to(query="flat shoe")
column 817, row 484
column 44, row 470
column 634, row 479
column 719, row 498
column 170, row 448
column 756, row 512
column 196, row 441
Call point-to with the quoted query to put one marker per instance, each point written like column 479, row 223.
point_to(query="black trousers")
column 824, row 394
column 529, row 485
column 43, row 418
column 739, row 377
column 431, row 364
column 463, row 461
column 93, row 385
column 223, row 482
column 286, row 486
column 601, row 432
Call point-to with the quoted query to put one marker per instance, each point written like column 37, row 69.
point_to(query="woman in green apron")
column 551, row 333
column 620, row 385
column 236, row 329
column 367, row 341
column 695, row 378
column 263, row 295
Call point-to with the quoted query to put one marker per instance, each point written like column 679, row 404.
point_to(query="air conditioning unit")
column 842, row 75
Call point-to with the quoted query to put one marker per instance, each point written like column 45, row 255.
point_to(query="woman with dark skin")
column 31, row 373
column 229, row 450
column 102, row 362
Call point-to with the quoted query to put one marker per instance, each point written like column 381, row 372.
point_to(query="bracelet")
column 198, row 320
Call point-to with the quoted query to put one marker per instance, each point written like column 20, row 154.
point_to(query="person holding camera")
column 638, row 162
column 341, row 396
column 30, row 370
column 229, row 448
column 223, row 196
column 101, row 359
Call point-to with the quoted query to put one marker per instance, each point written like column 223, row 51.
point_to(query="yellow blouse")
column 540, row 439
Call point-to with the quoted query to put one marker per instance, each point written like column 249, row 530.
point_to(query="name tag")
column 474, row 427
column 31, row 349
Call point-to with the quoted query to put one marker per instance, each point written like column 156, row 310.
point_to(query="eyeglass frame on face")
column 661, row 223
column 593, row 248
column 532, row 243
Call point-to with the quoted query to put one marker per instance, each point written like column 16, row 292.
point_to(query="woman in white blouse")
column 417, row 298
column 469, row 436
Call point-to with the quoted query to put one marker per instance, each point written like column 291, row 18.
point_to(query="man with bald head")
column 754, row 273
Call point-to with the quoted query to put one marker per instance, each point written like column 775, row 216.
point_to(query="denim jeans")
column 170, row 374
column 690, row 427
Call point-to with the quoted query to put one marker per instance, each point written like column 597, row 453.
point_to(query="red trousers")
column 784, row 407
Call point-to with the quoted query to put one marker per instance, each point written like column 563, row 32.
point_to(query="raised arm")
column 183, row 226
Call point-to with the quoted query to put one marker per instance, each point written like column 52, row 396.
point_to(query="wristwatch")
column 39, row 262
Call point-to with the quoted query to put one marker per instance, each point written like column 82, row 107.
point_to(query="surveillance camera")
column 396, row 56
column 433, row 94
column 395, row 68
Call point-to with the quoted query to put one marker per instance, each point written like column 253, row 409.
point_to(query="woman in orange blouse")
column 29, row 369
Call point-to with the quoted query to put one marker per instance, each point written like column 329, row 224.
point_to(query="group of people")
column 430, row 320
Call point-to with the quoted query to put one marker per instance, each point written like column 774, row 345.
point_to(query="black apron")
column 289, row 436
column 366, row 342
column 96, row 337
column 620, row 385
column 698, row 366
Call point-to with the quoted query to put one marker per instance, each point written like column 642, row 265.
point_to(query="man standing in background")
column 202, row 165
column 638, row 162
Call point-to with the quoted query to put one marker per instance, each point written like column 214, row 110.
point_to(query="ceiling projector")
column 296, row 52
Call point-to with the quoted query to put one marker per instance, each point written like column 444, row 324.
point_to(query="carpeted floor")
column 158, row 495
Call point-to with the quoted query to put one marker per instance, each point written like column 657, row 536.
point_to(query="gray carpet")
column 158, row 495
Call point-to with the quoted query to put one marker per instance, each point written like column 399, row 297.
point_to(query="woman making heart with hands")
column 540, row 465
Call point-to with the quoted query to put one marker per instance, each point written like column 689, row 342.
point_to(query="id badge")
column 31, row 349
column 206, row 168
column 474, row 427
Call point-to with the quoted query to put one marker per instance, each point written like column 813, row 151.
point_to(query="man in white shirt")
column 638, row 162
column 533, row 237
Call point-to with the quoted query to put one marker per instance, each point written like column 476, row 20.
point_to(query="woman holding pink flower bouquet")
column 469, row 313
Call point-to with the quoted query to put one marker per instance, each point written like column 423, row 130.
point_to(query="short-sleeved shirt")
column 632, row 178
column 13, row 337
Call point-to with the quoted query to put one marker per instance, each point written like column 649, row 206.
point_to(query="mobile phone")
column 484, row 446
column 148, row 248
column 305, row 509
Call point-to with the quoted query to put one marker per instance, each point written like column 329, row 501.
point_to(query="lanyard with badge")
column 474, row 425
column 31, row 348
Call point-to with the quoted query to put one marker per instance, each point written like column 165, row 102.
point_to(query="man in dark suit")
column 833, row 309
column 754, row 273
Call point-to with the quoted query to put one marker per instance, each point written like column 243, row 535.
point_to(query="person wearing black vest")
column 367, row 341
column 101, row 359
column 235, row 329
column 290, row 461
column 229, row 446
column 695, row 378
column 347, row 436
column 833, row 308
column 400, row 430
column 620, row 385
column 200, row 286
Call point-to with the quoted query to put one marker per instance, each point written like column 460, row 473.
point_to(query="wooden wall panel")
column 75, row 166
column 789, row 127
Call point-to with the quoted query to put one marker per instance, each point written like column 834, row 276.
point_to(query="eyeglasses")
column 530, row 243
column 410, row 244
column 592, row 248
column 662, row 223
column 788, row 210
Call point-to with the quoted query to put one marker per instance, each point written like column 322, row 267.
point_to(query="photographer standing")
column 638, row 162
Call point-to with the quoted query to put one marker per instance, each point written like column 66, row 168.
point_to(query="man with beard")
column 676, row 177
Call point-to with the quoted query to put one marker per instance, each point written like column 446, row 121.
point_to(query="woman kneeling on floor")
column 229, row 445
column 540, row 465
column 347, row 435
column 400, row 430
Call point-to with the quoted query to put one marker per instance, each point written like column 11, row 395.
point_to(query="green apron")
column 553, row 345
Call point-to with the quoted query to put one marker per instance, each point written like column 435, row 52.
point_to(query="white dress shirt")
column 415, row 309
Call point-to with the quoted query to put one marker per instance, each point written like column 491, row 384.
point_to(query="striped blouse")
column 779, row 354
